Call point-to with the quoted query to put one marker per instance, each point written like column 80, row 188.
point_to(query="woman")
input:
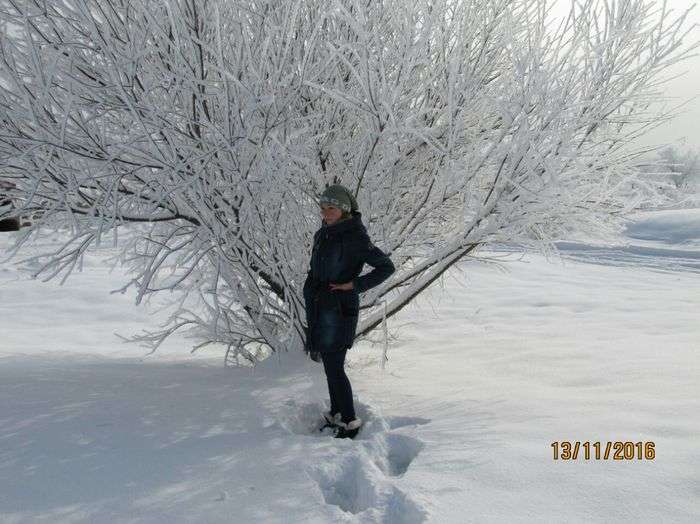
column 331, row 293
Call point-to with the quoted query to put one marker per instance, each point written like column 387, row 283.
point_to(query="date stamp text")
column 618, row 450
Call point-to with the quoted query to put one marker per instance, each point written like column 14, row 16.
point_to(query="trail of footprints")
column 360, row 479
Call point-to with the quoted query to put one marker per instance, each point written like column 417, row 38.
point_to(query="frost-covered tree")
column 673, row 172
column 209, row 127
column 683, row 165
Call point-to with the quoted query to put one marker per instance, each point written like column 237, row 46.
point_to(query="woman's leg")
column 331, row 391
column 338, row 384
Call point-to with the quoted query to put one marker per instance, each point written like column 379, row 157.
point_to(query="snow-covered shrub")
column 674, row 174
column 215, row 123
column 683, row 165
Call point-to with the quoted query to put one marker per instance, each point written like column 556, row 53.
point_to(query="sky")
column 684, row 90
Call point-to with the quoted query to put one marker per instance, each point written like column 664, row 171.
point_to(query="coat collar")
column 354, row 222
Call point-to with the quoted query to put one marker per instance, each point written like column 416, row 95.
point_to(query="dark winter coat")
column 339, row 252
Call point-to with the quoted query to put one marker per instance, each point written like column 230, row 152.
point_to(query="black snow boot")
column 348, row 430
column 330, row 421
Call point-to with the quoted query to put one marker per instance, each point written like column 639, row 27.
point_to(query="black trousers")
column 339, row 387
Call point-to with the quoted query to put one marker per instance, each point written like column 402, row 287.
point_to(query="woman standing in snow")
column 331, row 294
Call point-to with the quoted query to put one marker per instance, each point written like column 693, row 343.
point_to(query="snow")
column 600, row 345
column 671, row 227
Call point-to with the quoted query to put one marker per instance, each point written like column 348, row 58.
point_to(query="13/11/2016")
column 566, row 450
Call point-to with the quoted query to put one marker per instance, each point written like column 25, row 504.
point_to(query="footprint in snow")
column 346, row 484
column 301, row 419
column 400, row 452
column 357, row 475
column 357, row 487
column 400, row 422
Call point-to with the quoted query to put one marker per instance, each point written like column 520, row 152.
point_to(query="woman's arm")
column 383, row 268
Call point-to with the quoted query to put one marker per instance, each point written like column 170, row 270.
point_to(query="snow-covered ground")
column 599, row 346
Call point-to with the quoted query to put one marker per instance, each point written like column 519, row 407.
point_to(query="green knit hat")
column 340, row 197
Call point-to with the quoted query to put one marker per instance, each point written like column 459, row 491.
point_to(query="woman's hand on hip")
column 342, row 287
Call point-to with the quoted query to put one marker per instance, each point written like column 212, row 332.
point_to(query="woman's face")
column 330, row 214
